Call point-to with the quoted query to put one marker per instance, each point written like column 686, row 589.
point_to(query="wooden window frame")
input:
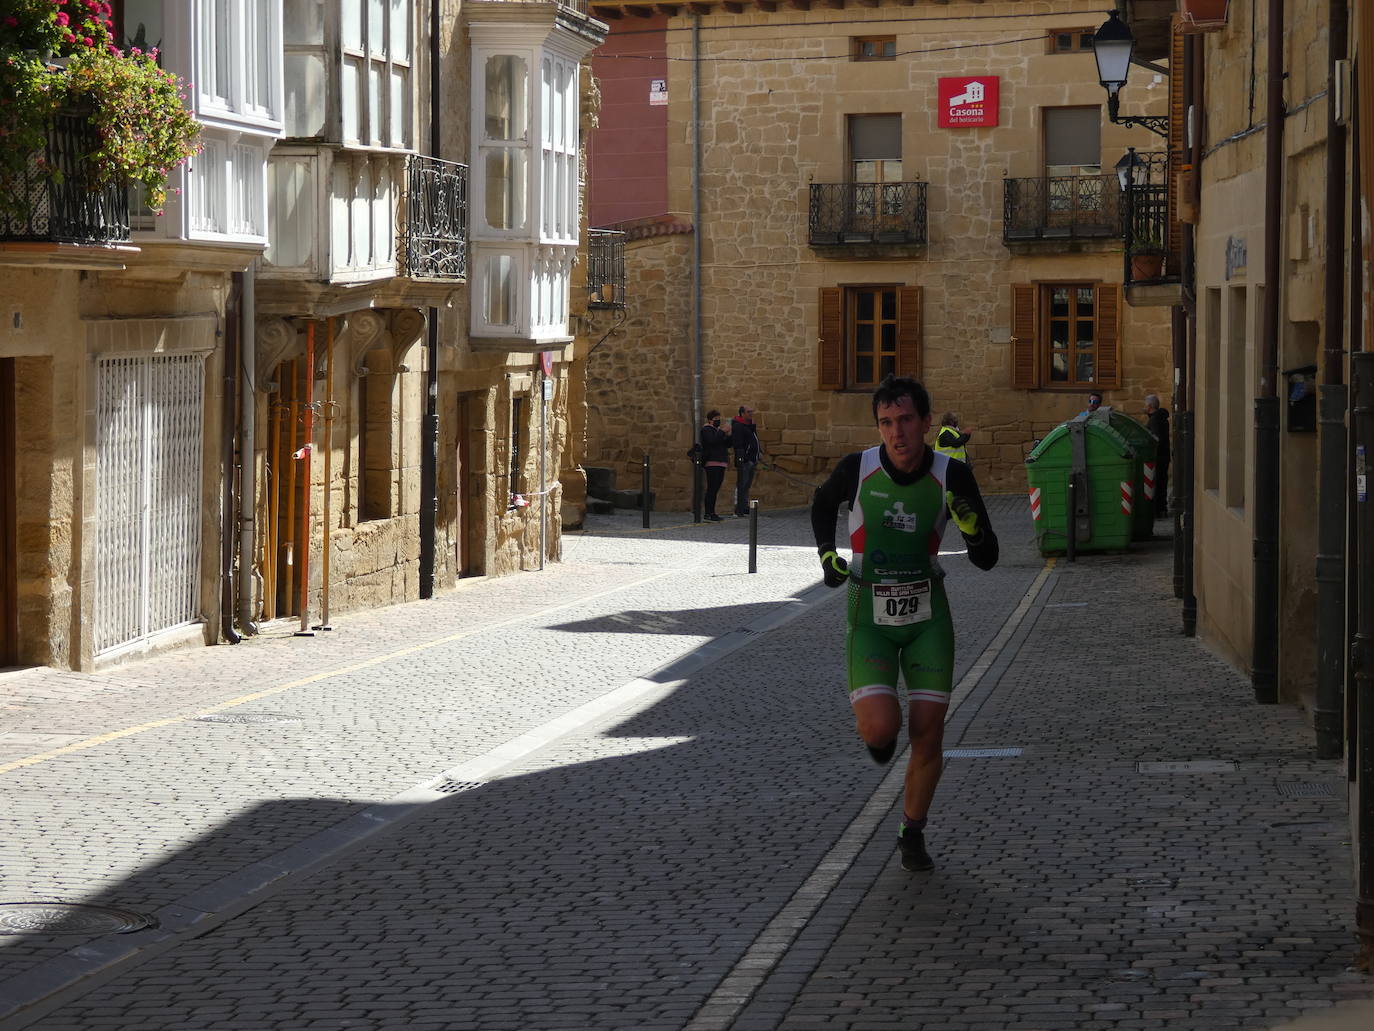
column 1031, row 349
column 857, row 53
column 838, row 314
column 1052, row 41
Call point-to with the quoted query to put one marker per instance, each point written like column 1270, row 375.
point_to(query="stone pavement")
column 626, row 792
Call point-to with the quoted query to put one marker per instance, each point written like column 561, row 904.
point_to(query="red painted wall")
column 628, row 151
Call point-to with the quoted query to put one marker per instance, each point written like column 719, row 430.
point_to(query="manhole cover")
column 69, row 918
column 248, row 717
column 981, row 753
column 1305, row 789
column 1188, row 766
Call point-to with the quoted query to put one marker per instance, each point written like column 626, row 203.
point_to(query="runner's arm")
column 982, row 546
column 825, row 503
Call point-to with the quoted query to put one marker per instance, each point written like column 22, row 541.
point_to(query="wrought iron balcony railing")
column 1149, row 258
column 859, row 213
column 434, row 233
column 606, row 269
column 48, row 201
column 1061, row 207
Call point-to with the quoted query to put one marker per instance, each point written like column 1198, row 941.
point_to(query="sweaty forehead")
column 903, row 406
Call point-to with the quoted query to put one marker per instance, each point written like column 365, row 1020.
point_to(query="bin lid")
column 1101, row 438
column 1137, row 434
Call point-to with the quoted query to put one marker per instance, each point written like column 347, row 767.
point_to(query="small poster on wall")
column 658, row 92
column 968, row 101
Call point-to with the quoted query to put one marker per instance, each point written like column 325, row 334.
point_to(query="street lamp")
column 1114, row 49
column 1131, row 170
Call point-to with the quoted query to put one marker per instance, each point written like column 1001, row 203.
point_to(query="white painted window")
column 238, row 77
column 375, row 38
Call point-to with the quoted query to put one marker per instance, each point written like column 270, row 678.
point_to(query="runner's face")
column 903, row 433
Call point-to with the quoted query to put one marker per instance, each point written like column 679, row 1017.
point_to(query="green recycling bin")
column 1091, row 453
column 1144, row 445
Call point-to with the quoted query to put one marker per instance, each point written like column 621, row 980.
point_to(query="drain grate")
column 69, row 918
column 445, row 786
column 249, row 717
column 982, row 753
column 1188, row 766
column 1305, row 789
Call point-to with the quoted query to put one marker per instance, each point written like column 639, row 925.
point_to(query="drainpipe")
column 697, row 361
column 1265, row 603
column 248, row 469
column 429, row 444
column 228, row 418
column 1328, row 711
column 1185, row 456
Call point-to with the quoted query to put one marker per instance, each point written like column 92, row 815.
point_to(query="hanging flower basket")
column 1202, row 15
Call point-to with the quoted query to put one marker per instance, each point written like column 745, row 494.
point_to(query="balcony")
column 434, row 230
column 867, row 219
column 48, row 204
column 1153, row 268
column 606, row 269
column 1057, row 213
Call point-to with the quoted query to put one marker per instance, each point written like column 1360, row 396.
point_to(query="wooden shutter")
column 909, row 331
column 830, row 361
column 1107, row 306
column 1178, row 133
column 1023, row 342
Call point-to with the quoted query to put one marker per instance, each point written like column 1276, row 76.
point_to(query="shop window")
column 868, row 332
column 1066, row 335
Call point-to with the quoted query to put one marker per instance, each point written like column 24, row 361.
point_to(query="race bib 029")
column 901, row 604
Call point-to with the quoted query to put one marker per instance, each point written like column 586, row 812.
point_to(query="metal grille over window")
column 436, row 219
column 606, row 269
column 149, row 420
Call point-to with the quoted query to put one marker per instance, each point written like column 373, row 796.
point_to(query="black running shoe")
column 882, row 754
column 914, row 855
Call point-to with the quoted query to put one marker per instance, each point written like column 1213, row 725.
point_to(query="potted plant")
column 1147, row 258
column 59, row 56
column 1202, row 15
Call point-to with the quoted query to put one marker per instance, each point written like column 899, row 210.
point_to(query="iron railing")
column 858, row 213
column 434, row 232
column 605, row 268
column 1061, row 207
column 1148, row 258
column 48, row 200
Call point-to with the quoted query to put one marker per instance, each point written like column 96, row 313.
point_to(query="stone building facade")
column 828, row 188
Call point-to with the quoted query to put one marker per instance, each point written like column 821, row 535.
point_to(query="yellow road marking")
column 314, row 678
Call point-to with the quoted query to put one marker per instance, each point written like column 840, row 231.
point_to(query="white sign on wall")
column 658, row 92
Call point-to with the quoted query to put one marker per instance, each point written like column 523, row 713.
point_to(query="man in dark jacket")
column 715, row 443
column 744, row 438
column 1157, row 422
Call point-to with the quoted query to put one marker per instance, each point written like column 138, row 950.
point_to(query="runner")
column 900, row 495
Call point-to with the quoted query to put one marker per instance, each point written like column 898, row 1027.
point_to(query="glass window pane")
column 351, row 100
column 1085, row 332
column 863, row 369
column 1059, row 333
column 1059, row 367
column 865, row 171
column 1085, row 301
column 305, row 94
column 398, row 42
column 1085, row 367
column 889, row 48
column 301, row 23
column 399, row 113
column 505, row 172
column 500, row 289
column 864, row 298
column 1059, row 302
column 374, row 102
column 376, row 26
column 351, row 24
column 142, row 25
column 889, row 304
column 890, row 337
column 507, row 97
column 887, row 366
column 863, row 338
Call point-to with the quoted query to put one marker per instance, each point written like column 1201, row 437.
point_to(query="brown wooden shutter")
column 1023, row 342
column 1107, row 305
column 1178, row 133
column 909, row 331
column 830, row 361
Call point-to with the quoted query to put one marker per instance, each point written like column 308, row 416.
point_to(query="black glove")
column 835, row 568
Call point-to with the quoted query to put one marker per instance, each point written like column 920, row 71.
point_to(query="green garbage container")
column 1101, row 460
column 1144, row 445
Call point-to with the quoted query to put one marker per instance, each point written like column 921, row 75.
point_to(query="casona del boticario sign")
column 967, row 101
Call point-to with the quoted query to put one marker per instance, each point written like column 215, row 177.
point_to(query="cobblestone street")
column 626, row 792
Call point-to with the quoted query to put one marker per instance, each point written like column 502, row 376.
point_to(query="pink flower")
column 62, row 18
column 11, row 20
column 88, row 41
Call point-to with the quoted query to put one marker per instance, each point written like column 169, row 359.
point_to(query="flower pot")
column 1146, row 266
column 1202, row 15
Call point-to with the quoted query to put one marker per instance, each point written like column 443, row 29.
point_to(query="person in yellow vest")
column 951, row 440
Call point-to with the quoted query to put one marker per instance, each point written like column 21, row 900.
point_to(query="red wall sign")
column 967, row 101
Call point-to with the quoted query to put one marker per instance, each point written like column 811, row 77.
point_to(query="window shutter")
column 1178, row 131
column 1023, row 342
column 909, row 331
column 830, row 361
column 1107, row 305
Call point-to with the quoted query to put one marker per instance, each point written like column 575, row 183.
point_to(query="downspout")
column 429, row 443
column 697, row 361
column 1265, row 600
column 228, row 418
column 248, row 468
column 1328, row 711
column 1185, row 455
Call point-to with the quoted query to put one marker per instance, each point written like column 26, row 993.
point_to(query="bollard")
column 644, row 491
column 753, row 536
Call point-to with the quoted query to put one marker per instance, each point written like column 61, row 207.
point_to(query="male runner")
column 900, row 495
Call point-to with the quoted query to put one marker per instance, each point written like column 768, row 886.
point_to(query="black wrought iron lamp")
column 1114, row 48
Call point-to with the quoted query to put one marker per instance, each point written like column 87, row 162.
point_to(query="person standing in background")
column 951, row 440
column 1157, row 422
column 715, row 444
column 744, row 438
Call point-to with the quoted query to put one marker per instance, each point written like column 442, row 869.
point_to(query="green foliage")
column 138, row 111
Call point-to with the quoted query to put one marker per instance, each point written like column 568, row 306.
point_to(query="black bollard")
column 644, row 491
column 753, row 536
